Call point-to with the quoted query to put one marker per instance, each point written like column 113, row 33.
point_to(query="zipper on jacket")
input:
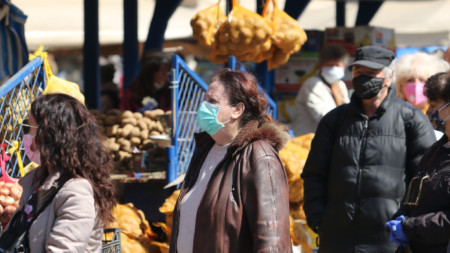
column 358, row 179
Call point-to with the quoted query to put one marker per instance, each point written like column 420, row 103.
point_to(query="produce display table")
column 146, row 193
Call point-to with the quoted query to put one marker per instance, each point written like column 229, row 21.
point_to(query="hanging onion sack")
column 244, row 34
column 205, row 24
column 288, row 36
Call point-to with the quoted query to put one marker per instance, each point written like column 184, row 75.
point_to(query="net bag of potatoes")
column 206, row 22
column 288, row 36
column 245, row 34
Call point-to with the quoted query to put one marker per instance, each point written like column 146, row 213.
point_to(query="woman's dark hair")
column 437, row 87
column 143, row 85
column 333, row 52
column 69, row 141
column 242, row 87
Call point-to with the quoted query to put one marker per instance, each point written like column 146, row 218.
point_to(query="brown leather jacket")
column 246, row 204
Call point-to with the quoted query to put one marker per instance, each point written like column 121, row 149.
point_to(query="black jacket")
column 427, row 224
column 357, row 171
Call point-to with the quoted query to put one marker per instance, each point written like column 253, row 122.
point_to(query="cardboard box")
column 314, row 42
column 355, row 37
column 285, row 106
column 301, row 65
column 290, row 76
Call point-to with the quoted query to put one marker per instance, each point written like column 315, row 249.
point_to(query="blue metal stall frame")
column 16, row 96
column 188, row 91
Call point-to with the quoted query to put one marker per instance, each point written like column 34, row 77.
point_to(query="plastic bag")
column 206, row 22
column 56, row 84
column 300, row 235
column 245, row 34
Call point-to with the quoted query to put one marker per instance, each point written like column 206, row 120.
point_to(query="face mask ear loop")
column 221, row 109
column 443, row 107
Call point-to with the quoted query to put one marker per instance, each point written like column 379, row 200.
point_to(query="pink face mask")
column 414, row 93
column 34, row 156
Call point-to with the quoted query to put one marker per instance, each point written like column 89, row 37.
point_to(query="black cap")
column 373, row 57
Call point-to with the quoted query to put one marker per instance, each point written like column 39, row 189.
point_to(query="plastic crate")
column 111, row 245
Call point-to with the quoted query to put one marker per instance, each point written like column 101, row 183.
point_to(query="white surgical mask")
column 332, row 74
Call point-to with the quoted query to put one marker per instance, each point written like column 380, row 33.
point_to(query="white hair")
column 417, row 64
column 389, row 70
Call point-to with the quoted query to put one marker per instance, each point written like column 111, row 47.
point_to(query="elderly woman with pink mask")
column 412, row 70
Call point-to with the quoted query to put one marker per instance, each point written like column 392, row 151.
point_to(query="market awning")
column 56, row 23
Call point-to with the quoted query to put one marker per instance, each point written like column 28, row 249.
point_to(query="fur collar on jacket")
column 274, row 134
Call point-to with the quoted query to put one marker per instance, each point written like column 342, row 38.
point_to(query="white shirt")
column 438, row 134
column 190, row 202
column 313, row 101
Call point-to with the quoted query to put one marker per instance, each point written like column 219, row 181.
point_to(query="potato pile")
column 10, row 194
column 205, row 24
column 125, row 130
column 136, row 234
column 244, row 34
column 293, row 156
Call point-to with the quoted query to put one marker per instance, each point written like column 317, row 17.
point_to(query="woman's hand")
column 397, row 234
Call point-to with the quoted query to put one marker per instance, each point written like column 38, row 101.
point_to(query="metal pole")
column 340, row 13
column 91, row 53
column 130, row 41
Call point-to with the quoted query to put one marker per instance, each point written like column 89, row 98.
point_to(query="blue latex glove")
column 397, row 234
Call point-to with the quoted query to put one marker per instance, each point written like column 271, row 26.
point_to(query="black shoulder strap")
column 407, row 120
column 60, row 183
column 18, row 227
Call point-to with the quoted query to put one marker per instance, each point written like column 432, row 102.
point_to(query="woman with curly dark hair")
column 235, row 194
column 64, row 138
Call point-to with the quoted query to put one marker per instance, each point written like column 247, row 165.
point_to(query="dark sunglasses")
column 26, row 127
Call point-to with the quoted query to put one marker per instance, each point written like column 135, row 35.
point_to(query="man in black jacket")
column 362, row 157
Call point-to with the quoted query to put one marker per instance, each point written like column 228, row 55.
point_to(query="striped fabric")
column 13, row 47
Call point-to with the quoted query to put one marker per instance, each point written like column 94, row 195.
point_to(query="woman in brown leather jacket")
column 235, row 194
column 423, row 222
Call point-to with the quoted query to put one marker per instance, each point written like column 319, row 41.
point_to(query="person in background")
column 63, row 137
column 321, row 93
column 150, row 89
column 412, row 70
column 423, row 221
column 109, row 94
column 235, row 195
column 362, row 157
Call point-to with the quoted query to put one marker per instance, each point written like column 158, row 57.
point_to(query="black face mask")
column 367, row 87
